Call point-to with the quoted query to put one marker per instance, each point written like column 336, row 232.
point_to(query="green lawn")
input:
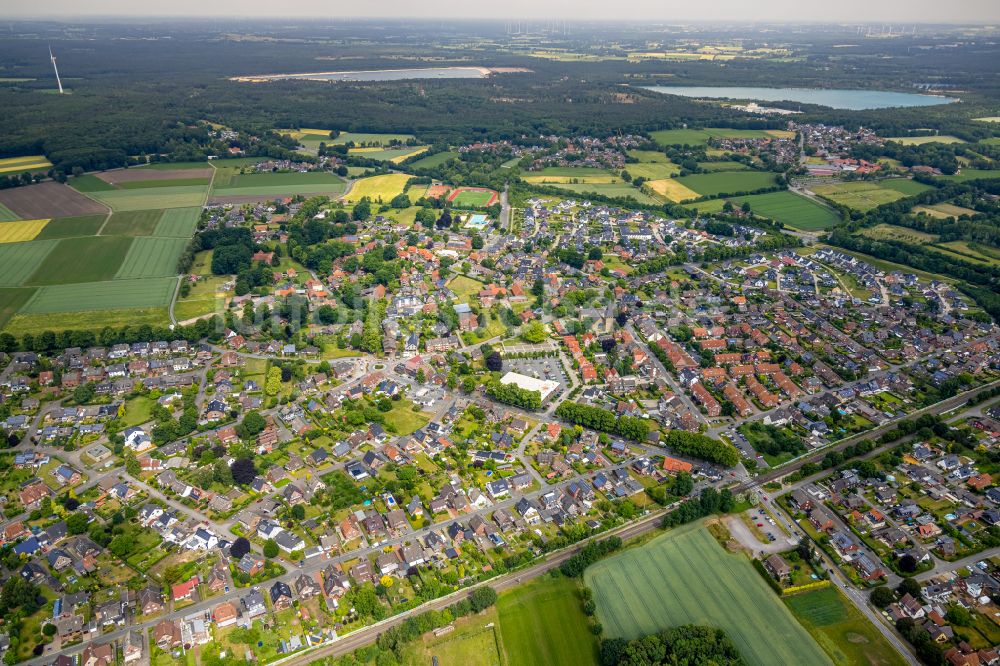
column 542, row 623
column 86, row 259
column 138, row 410
column 841, row 630
column 685, row 577
column 465, row 287
column 404, row 419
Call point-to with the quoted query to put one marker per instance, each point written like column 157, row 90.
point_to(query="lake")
column 378, row 75
column 854, row 100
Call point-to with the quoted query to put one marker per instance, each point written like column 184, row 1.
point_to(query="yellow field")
column 781, row 134
column 378, row 188
column 395, row 160
column 19, row 164
column 672, row 190
column 989, row 119
column 19, row 232
column 943, row 210
column 572, row 179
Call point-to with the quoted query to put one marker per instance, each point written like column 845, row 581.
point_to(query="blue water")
column 854, row 100
column 387, row 74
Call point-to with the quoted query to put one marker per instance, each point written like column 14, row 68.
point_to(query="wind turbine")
column 58, row 80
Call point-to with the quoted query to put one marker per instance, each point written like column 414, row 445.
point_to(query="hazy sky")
column 854, row 11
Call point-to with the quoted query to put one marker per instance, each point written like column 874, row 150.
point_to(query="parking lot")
column 540, row 368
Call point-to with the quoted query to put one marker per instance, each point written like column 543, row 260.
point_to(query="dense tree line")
column 592, row 552
column 512, row 394
column 598, row 418
column 709, row 501
column 686, row 645
column 701, row 446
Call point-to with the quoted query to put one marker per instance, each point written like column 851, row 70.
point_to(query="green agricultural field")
column 71, row 227
column 170, row 182
column 132, row 223
column 893, row 232
column 542, row 623
column 607, row 190
column 152, row 257
column 904, row 186
column 649, row 156
column 686, row 577
column 861, row 195
column 652, row 170
column 697, row 137
column 116, row 294
column 394, row 155
column 87, row 259
column 19, row 261
column 11, row 301
column 153, row 198
column 435, row 160
column 90, row 183
column 93, row 320
column 841, row 630
column 791, row 210
column 722, row 166
column 362, row 138
column 276, row 184
column 178, row 223
column 973, row 174
column 728, row 182
column 7, row 215
column 921, row 140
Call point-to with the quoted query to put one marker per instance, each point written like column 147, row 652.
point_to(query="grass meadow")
column 865, row 195
column 790, row 209
column 841, row 630
column 686, row 577
column 542, row 623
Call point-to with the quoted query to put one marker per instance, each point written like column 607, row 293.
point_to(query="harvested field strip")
column 87, row 259
column 12, row 300
column 71, row 227
column 672, row 189
column 21, row 231
column 117, row 294
column 48, row 200
column 19, row 261
column 178, row 223
column 152, row 257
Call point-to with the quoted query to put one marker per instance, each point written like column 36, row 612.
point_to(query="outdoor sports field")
column 686, row 577
column 473, row 197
